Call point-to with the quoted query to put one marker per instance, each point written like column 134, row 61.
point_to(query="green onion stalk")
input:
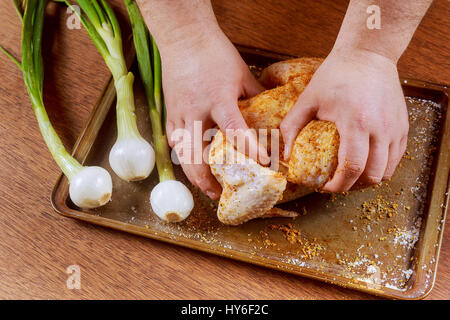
column 132, row 158
column 171, row 200
column 89, row 187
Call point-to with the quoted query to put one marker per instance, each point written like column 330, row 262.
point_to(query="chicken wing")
column 249, row 190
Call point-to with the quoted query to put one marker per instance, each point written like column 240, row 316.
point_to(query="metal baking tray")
column 383, row 240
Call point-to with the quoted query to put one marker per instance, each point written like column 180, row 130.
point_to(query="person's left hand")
column 203, row 78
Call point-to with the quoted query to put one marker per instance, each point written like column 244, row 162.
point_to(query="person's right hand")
column 360, row 92
column 203, row 78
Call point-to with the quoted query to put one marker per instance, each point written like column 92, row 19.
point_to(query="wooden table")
column 37, row 245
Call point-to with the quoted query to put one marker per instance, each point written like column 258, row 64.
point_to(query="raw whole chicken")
column 251, row 190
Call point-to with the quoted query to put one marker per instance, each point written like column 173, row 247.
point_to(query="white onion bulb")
column 171, row 201
column 91, row 187
column 132, row 159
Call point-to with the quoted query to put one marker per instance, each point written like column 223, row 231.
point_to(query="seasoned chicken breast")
column 250, row 190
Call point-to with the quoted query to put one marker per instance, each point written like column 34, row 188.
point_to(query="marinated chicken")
column 313, row 158
column 251, row 190
column 280, row 73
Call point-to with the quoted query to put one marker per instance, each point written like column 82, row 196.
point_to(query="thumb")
column 232, row 124
column 301, row 113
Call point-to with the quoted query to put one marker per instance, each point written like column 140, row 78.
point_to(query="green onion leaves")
column 89, row 187
column 132, row 158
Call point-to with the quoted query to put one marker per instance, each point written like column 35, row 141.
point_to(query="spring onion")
column 171, row 200
column 132, row 158
column 89, row 187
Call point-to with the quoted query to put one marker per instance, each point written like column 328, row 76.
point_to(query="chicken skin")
column 251, row 190
column 280, row 73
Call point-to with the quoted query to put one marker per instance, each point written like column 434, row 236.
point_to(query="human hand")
column 203, row 78
column 360, row 92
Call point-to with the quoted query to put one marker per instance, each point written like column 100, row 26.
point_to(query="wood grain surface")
column 37, row 245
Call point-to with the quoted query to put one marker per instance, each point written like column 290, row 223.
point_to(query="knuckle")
column 229, row 123
column 382, row 129
column 385, row 127
column 192, row 110
column 360, row 121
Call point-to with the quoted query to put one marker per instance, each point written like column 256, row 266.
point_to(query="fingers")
column 191, row 157
column 295, row 120
column 200, row 175
column 396, row 151
column 352, row 158
column 184, row 140
column 171, row 126
column 230, row 121
column 377, row 162
column 382, row 159
column 394, row 155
